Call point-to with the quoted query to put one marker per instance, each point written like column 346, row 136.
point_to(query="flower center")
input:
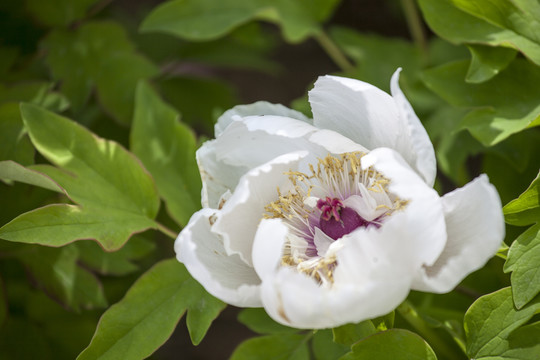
column 335, row 198
column 337, row 220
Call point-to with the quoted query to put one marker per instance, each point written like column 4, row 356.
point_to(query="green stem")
column 165, row 230
column 414, row 21
column 409, row 313
column 334, row 51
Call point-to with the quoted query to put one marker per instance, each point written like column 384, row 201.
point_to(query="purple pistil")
column 337, row 220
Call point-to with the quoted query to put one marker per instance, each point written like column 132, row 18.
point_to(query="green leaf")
column 377, row 56
column 384, row 322
column 523, row 343
column 14, row 145
column 11, row 171
column 199, row 20
column 324, row 347
column 453, row 145
column 58, row 12
column 511, row 24
column 524, row 263
column 393, row 344
column 116, row 263
column 105, row 59
column 143, row 320
column 487, row 62
column 257, row 320
column 56, row 271
column 116, row 197
column 275, row 347
column 167, row 148
column 3, row 303
column 491, row 320
column 350, row 333
column 495, row 115
column 525, row 210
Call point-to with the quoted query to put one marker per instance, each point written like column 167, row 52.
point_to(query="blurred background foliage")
column 153, row 77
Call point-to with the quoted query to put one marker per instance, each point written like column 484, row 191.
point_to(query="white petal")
column 225, row 276
column 475, row 225
column 372, row 118
column 268, row 246
column 372, row 277
column 421, row 152
column 255, row 140
column 424, row 210
column 217, row 176
column 257, row 108
column 240, row 216
column 322, row 242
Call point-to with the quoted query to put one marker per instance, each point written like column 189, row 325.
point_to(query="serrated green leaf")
column 114, row 263
column 491, row 320
column 393, row 344
column 116, row 197
column 58, row 12
column 524, row 263
column 105, row 59
column 282, row 346
column 525, row 210
column 14, row 145
column 324, row 347
column 350, row 333
column 257, row 320
column 479, row 22
column 143, row 320
column 167, row 148
column 56, row 271
column 496, row 115
column 200, row 20
column 487, row 62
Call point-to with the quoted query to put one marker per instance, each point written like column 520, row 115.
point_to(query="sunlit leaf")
column 210, row 19
column 167, row 149
column 116, row 197
column 491, row 323
column 495, row 114
column 11, row 171
column 513, row 24
column 393, row 344
column 525, row 210
column 137, row 325
column 524, row 263
column 487, row 62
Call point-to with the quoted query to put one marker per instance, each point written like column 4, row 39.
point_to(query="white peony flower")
column 332, row 220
